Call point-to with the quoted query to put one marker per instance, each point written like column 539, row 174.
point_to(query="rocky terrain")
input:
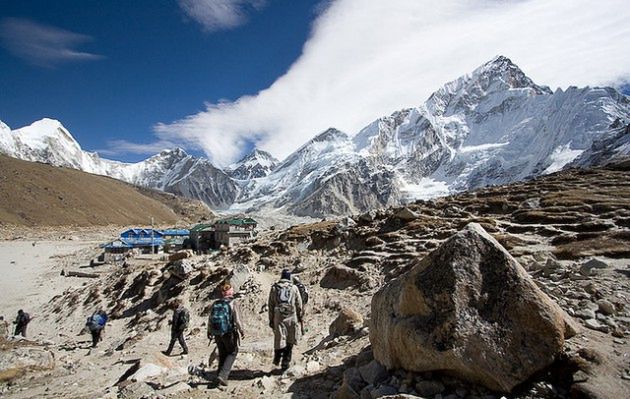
column 35, row 194
column 516, row 291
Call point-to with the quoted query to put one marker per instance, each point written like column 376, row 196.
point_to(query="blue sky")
column 216, row 77
column 155, row 64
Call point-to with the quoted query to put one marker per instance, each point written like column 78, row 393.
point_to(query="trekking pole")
column 302, row 326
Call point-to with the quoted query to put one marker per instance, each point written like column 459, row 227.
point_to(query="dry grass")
column 36, row 194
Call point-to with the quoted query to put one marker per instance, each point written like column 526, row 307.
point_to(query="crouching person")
column 224, row 327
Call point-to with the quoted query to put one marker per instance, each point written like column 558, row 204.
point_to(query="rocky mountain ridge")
column 490, row 127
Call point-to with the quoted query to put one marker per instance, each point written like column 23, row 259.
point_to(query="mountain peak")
column 257, row 163
column 329, row 134
column 503, row 69
column 495, row 76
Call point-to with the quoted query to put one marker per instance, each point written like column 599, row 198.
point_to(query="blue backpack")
column 220, row 322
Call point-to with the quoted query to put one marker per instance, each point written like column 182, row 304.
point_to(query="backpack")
column 184, row 319
column 303, row 292
column 220, row 321
column 95, row 322
column 284, row 299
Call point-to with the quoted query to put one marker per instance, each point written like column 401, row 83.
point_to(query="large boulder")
column 18, row 359
column 468, row 309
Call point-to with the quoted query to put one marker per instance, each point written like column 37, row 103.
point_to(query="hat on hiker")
column 286, row 274
column 227, row 290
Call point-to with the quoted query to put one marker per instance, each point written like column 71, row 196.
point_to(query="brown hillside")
column 35, row 194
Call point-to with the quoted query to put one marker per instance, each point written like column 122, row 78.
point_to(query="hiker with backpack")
column 21, row 322
column 179, row 324
column 285, row 313
column 96, row 323
column 224, row 327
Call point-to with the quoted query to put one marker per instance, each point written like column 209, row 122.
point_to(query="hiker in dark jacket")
column 285, row 315
column 21, row 322
column 96, row 323
column 179, row 324
column 224, row 326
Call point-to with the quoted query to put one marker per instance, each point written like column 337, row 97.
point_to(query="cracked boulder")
column 468, row 309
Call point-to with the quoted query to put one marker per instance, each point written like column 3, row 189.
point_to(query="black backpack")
column 303, row 292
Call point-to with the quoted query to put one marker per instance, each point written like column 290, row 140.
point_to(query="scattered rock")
column 429, row 388
column 470, row 309
column 406, row 214
column 606, row 307
column 19, row 361
column 347, row 322
column 588, row 268
column 373, row 372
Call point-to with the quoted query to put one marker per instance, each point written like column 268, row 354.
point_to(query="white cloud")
column 216, row 15
column 43, row 45
column 366, row 59
column 118, row 147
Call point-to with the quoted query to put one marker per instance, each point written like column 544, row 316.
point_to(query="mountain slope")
column 35, row 194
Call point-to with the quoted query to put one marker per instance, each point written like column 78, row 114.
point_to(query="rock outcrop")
column 468, row 309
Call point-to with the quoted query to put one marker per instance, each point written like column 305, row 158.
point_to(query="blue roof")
column 141, row 232
column 176, row 232
column 134, row 243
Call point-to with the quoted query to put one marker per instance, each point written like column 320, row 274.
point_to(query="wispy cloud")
column 365, row 59
column 119, row 147
column 43, row 45
column 215, row 15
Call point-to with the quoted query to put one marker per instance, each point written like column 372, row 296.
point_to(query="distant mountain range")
column 490, row 127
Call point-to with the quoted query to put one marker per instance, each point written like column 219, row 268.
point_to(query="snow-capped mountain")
column 492, row 126
column 173, row 171
column 256, row 164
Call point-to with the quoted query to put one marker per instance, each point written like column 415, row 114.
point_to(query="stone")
column 595, row 325
column 345, row 391
column 348, row 322
column 180, row 255
column 580, row 376
column 342, row 277
column 606, row 307
column 265, row 383
column 588, row 267
column 406, row 214
column 136, row 390
column 352, row 378
column 383, row 390
column 429, row 388
column 156, row 368
column 182, row 267
column 373, row 372
column 468, row 309
column 585, row 314
column 313, row 367
column 21, row 360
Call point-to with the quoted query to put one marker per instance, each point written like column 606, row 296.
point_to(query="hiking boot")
column 166, row 353
column 222, row 381
column 277, row 356
column 286, row 357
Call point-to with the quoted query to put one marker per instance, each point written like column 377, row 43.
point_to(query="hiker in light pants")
column 227, row 343
column 285, row 315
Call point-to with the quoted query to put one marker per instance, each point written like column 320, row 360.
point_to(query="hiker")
column 225, row 328
column 285, row 312
column 21, row 322
column 179, row 324
column 4, row 328
column 96, row 323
